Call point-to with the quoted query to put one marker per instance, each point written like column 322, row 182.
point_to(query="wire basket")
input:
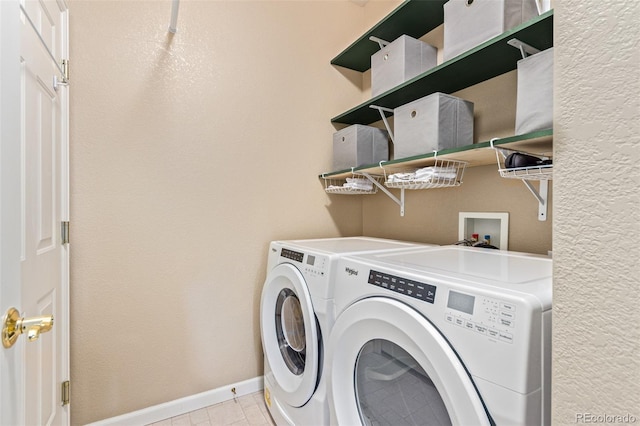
column 542, row 172
column 443, row 174
column 354, row 185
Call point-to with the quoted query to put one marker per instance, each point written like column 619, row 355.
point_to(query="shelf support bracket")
column 395, row 199
column 382, row 43
column 382, row 110
column 523, row 47
column 541, row 196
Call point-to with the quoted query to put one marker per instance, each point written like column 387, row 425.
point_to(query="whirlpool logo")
column 350, row 271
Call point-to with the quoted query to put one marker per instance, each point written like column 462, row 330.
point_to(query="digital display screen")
column 461, row 302
column 311, row 260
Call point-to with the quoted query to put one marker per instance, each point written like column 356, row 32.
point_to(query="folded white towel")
column 358, row 180
column 430, row 174
column 359, row 184
column 437, row 172
column 401, row 177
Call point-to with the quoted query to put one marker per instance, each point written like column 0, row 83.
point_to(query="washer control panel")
column 491, row 317
column 315, row 265
column 415, row 289
column 293, row 255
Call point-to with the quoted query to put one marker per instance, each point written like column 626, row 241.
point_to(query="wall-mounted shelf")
column 477, row 154
column 488, row 60
column 414, row 18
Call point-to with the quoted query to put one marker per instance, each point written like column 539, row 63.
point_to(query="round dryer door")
column 289, row 335
column 389, row 365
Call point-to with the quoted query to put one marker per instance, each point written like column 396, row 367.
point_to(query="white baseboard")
column 184, row 405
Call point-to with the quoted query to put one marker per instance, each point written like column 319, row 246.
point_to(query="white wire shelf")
column 443, row 174
column 354, row 185
column 541, row 172
column 528, row 173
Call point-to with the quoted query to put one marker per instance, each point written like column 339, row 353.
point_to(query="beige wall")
column 596, row 340
column 188, row 155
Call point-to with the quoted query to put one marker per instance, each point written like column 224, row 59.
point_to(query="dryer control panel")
column 491, row 317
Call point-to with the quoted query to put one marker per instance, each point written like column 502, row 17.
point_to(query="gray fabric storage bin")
column 534, row 105
column 358, row 145
column 468, row 23
column 435, row 122
column 399, row 61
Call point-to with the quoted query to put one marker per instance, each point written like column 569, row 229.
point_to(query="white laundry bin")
column 358, row 145
column 399, row 61
column 468, row 23
column 534, row 105
column 432, row 123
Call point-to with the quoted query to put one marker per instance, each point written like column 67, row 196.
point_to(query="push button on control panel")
column 479, row 328
column 493, row 318
column 505, row 337
column 507, row 307
column 508, row 315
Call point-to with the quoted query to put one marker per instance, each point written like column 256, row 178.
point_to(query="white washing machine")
column 447, row 335
column 296, row 313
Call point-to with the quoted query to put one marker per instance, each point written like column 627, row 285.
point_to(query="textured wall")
column 596, row 224
column 188, row 155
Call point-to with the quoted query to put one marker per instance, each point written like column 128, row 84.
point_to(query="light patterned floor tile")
column 199, row 416
column 226, row 413
column 248, row 410
column 182, row 420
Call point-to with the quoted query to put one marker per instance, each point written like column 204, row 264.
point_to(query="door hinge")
column 66, row 395
column 65, row 69
column 64, row 75
column 64, row 232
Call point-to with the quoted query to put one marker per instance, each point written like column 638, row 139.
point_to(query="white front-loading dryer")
column 296, row 315
column 449, row 335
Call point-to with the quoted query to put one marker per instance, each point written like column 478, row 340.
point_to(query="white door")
column 34, row 203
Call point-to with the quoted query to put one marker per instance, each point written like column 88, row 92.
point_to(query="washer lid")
column 494, row 265
column 350, row 244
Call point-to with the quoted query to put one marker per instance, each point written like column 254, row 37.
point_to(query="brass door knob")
column 13, row 326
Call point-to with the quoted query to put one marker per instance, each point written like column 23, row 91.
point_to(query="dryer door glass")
column 393, row 389
column 290, row 331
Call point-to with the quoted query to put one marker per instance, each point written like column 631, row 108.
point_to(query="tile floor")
column 248, row 410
